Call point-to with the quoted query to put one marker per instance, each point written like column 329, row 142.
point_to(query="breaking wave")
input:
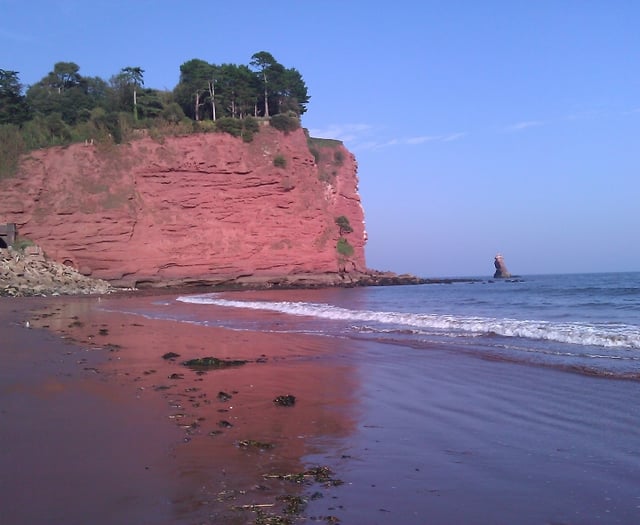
column 610, row 335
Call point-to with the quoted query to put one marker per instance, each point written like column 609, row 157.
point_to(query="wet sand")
column 105, row 430
column 74, row 449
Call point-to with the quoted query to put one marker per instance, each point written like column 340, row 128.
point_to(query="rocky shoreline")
column 30, row 273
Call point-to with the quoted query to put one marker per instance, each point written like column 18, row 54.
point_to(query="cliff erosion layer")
column 196, row 208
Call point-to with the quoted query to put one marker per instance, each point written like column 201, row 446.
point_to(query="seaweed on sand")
column 289, row 508
column 285, row 401
column 213, row 363
column 293, row 504
column 252, row 443
column 317, row 474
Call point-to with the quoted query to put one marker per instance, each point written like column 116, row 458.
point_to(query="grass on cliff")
column 316, row 145
column 323, row 143
column 279, row 161
column 327, row 161
column 344, row 248
column 105, row 129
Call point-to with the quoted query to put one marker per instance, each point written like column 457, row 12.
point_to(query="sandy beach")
column 104, row 428
column 101, row 425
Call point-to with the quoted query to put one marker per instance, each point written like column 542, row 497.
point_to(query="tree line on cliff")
column 65, row 106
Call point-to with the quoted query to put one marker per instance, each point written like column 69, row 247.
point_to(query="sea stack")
column 501, row 268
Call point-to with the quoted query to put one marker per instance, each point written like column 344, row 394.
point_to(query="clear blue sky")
column 479, row 127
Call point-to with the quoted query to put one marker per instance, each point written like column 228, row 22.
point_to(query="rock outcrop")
column 204, row 208
column 501, row 268
column 30, row 273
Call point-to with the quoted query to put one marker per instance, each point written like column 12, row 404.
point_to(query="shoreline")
column 105, row 427
column 28, row 272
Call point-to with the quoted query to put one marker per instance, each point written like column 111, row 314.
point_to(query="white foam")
column 609, row 335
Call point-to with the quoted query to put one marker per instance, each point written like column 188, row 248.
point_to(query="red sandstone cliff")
column 204, row 207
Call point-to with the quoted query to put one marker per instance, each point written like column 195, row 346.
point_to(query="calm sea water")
column 589, row 323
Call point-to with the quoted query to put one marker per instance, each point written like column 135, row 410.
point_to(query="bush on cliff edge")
column 284, row 123
column 244, row 128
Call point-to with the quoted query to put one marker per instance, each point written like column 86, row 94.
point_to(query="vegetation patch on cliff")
column 344, row 248
column 244, row 128
column 344, row 225
column 327, row 157
column 317, row 143
column 279, row 161
column 285, row 123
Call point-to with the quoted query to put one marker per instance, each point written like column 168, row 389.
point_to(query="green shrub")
column 35, row 134
column 251, row 124
column 173, row 113
column 158, row 134
column 123, row 128
column 208, row 126
column 343, row 224
column 244, row 128
column 279, row 161
column 11, row 147
column 21, row 243
column 229, row 125
column 109, row 125
column 57, row 130
column 250, row 127
column 344, row 248
column 338, row 158
column 284, row 123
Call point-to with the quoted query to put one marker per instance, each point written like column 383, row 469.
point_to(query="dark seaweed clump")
column 285, row 401
column 212, row 363
column 322, row 475
column 252, row 443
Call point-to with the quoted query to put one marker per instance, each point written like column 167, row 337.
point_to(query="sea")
column 474, row 401
column 587, row 323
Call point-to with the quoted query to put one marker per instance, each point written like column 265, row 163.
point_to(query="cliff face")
column 201, row 207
